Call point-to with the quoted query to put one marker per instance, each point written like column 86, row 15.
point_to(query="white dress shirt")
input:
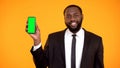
column 68, row 45
column 79, row 47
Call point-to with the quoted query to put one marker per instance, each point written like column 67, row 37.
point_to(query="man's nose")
column 72, row 19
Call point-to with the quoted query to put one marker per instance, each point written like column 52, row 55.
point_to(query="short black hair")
column 72, row 6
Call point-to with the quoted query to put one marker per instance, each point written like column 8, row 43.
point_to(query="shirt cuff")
column 36, row 47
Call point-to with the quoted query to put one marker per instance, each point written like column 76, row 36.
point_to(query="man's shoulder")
column 91, row 34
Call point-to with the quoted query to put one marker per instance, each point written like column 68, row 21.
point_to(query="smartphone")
column 31, row 25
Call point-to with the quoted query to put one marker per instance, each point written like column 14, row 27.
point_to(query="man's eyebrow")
column 76, row 13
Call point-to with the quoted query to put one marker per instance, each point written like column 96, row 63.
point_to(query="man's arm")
column 39, row 56
column 99, row 63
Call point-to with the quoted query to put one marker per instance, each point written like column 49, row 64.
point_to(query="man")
column 73, row 47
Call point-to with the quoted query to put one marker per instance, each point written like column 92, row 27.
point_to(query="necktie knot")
column 74, row 35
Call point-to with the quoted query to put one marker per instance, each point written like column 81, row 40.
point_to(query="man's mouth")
column 73, row 24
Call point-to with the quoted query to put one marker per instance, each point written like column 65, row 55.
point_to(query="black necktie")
column 73, row 62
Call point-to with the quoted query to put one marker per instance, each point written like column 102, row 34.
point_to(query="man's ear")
column 82, row 16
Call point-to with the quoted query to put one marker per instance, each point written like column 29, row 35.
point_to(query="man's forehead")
column 72, row 9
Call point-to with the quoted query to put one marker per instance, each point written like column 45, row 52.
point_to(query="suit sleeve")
column 99, row 63
column 40, row 56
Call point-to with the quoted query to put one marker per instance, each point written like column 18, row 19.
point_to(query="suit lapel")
column 62, row 45
column 85, row 48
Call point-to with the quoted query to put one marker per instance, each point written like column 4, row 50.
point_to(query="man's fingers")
column 27, row 22
column 37, row 28
column 26, row 29
column 26, row 26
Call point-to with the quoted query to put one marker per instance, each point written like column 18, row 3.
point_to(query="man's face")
column 73, row 19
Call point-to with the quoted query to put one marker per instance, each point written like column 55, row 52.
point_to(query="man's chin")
column 73, row 30
column 73, row 27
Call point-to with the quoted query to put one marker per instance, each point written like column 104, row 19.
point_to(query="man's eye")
column 76, row 15
column 68, row 16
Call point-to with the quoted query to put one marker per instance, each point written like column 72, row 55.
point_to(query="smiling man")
column 73, row 47
column 73, row 18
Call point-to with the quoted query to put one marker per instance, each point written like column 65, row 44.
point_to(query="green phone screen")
column 31, row 25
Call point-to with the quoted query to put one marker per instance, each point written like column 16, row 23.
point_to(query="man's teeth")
column 73, row 23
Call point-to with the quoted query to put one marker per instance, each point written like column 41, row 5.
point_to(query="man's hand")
column 36, row 36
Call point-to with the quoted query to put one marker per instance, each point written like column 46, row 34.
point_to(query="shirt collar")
column 78, row 34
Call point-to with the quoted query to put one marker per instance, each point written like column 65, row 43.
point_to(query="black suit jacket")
column 53, row 54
